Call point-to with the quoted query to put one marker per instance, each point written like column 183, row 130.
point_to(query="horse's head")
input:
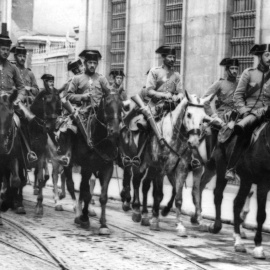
column 111, row 105
column 194, row 117
column 6, row 118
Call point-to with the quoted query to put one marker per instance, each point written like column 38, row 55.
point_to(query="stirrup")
column 230, row 175
column 195, row 164
column 31, row 157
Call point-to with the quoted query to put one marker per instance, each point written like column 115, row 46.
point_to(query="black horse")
column 97, row 156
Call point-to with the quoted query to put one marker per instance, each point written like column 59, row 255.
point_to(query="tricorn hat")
column 229, row 62
column 47, row 77
column 18, row 50
column 90, row 55
column 5, row 40
column 117, row 73
column 74, row 64
column 259, row 49
column 166, row 50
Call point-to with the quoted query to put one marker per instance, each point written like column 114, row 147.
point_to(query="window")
column 118, row 34
column 243, row 32
column 173, row 27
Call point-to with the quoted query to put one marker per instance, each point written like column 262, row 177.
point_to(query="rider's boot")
column 148, row 114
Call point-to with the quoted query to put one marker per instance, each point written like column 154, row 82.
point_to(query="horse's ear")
column 13, row 96
column 187, row 96
column 208, row 99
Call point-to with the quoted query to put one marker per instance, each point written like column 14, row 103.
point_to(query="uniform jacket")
column 159, row 80
column 29, row 79
column 82, row 83
column 247, row 96
column 120, row 89
column 10, row 78
column 224, row 90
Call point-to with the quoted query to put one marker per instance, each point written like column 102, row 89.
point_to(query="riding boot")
column 209, row 145
column 148, row 114
column 246, row 124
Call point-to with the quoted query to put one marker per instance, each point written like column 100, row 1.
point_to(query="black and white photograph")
column 134, row 134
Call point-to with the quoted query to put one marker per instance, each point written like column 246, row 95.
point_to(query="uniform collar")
column 20, row 67
column 170, row 70
column 262, row 68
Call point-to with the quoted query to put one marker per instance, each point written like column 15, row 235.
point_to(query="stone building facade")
column 127, row 32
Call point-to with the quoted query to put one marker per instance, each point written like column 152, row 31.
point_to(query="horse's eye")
column 189, row 115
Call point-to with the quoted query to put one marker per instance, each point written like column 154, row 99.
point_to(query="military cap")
column 259, row 49
column 166, row 50
column 228, row 62
column 74, row 64
column 47, row 77
column 115, row 73
column 18, row 50
column 5, row 40
column 90, row 55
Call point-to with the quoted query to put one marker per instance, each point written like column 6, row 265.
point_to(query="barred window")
column 243, row 31
column 118, row 34
column 173, row 27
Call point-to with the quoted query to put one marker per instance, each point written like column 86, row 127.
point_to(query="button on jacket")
column 29, row 79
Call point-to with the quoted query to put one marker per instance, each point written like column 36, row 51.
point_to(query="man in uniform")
column 252, row 100
column 224, row 90
column 27, row 75
column 117, row 85
column 162, row 83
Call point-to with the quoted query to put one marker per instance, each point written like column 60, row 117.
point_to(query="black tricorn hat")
column 18, row 50
column 112, row 73
column 166, row 50
column 5, row 40
column 90, row 55
column 47, row 77
column 228, row 62
column 74, row 64
column 259, row 49
column 118, row 73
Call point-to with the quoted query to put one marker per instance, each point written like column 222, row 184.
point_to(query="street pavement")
column 208, row 207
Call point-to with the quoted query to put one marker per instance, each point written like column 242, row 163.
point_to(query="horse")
column 181, row 129
column 96, row 155
column 11, row 169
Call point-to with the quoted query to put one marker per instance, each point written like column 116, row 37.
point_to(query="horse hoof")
column 204, row 227
column 181, row 231
column 39, row 211
column 240, row 248
column 214, row 228
column 136, row 217
column 165, row 211
column 91, row 213
column 46, row 177
column 58, row 207
column 20, row 210
column 126, row 206
column 243, row 235
column 77, row 220
column 258, row 253
column 194, row 220
column 93, row 202
column 154, row 225
column 145, row 221
column 84, row 223
column 104, row 231
column 62, row 196
column 36, row 191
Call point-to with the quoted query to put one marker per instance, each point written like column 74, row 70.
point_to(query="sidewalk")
column 188, row 208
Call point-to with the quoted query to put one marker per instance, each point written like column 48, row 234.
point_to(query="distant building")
column 127, row 33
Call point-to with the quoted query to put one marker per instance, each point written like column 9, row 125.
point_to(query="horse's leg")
column 56, row 196
column 125, row 193
column 180, row 178
column 39, row 206
column 85, row 195
column 92, row 187
column 197, row 173
column 62, row 194
column 46, row 170
column 104, row 177
column 36, row 180
column 239, row 202
column 158, row 196
column 145, row 188
column 20, row 208
column 262, row 191
column 15, row 178
column 167, row 208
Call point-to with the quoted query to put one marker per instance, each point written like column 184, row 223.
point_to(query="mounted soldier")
column 163, row 83
column 223, row 89
column 117, row 85
column 252, row 100
column 27, row 75
column 9, row 79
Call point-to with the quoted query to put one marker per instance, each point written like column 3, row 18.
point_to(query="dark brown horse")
column 98, row 157
column 11, row 169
